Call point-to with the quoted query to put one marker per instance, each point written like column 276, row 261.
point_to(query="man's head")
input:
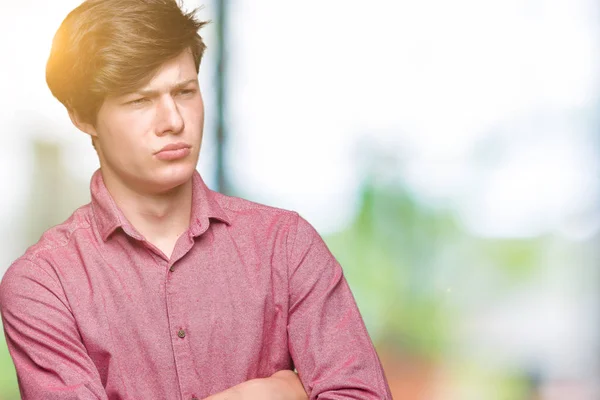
column 126, row 70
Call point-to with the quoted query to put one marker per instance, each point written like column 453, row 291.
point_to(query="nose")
column 168, row 117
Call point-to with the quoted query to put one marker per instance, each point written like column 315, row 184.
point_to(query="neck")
column 159, row 217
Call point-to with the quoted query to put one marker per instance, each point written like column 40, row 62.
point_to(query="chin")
column 172, row 176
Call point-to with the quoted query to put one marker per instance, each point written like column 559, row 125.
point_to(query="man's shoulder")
column 34, row 276
column 56, row 239
column 238, row 207
column 251, row 216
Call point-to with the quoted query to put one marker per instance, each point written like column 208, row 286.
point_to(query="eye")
column 186, row 92
column 139, row 101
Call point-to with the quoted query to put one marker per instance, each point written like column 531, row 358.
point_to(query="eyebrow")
column 152, row 93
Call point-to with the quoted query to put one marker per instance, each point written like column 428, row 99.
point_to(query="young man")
column 161, row 288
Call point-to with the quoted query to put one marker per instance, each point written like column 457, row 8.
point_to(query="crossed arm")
column 282, row 385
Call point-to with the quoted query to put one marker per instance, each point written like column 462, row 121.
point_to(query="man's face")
column 133, row 128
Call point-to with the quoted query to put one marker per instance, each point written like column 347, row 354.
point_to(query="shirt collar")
column 109, row 217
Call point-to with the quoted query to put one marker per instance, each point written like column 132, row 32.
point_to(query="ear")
column 80, row 124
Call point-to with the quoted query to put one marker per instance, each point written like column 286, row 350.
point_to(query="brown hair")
column 112, row 47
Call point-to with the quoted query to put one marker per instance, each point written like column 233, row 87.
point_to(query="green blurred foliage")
column 8, row 378
column 406, row 260
column 389, row 256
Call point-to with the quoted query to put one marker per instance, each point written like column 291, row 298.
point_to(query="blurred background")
column 447, row 151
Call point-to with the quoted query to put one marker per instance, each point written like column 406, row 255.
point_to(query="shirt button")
column 194, row 398
column 181, row 333
column 171, row 268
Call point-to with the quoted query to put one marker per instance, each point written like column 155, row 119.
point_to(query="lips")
column 173, row 152
column 174, row 146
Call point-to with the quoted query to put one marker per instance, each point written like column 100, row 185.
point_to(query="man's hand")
column 282, row 385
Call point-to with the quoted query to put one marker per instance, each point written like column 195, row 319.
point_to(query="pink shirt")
column 94, row 311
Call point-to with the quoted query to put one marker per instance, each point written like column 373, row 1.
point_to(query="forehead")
column 175, row 71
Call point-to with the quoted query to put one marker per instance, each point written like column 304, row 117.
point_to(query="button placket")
column 174, row 317
column 176, row 286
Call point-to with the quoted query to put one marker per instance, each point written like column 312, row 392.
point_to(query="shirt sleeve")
column 328, row 340
column 42, row 336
